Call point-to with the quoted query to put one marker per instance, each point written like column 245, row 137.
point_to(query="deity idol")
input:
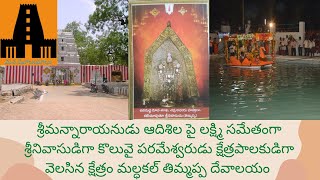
column 168, row 74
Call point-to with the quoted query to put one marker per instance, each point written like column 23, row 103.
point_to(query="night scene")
column 265, row 61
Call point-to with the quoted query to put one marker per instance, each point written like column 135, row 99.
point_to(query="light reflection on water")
column 290, row 90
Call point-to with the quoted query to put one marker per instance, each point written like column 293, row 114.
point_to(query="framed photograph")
column 169, row 59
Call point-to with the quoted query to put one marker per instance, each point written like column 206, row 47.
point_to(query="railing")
column 287, row 28
column 265, row 28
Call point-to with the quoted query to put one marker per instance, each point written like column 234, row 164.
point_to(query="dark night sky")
column 282, row 11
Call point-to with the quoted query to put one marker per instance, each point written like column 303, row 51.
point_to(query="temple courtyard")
column 64, row 103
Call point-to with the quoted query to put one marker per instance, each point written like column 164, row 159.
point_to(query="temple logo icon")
column 28, row 31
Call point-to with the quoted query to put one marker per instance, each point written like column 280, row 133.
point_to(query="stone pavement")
column 67, row 103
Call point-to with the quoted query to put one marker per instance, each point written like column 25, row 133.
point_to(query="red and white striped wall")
column 86, row 72
column 23, row 74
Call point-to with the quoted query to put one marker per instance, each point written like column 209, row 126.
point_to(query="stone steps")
column 16, row 91
column 120, row 91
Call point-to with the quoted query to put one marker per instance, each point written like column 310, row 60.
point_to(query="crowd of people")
column 287, row 46
column 290, row 46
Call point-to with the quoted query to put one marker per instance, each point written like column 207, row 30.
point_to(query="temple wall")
column 81, row 73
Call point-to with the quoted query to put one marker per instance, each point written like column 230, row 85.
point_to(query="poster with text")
column 169, row 54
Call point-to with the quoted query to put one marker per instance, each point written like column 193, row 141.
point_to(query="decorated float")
column 250, row 51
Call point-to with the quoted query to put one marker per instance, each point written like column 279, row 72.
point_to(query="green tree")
column 110, row 15
column 111, row 20
column 90, row 55
column 114, row 47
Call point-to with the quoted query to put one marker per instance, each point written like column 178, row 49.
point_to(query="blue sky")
column 74, row 10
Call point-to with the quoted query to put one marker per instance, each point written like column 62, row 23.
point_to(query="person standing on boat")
column 300, row 45
column 242, row 56
column 243, row 48
column 242, row 52
column 267, row 47
column 255, row 54
column 262, row 51
column 232, row 50
column 249, row 48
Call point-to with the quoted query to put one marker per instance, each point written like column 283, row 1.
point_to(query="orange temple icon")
column 28, row 31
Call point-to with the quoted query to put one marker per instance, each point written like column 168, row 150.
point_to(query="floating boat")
column 254, row 67
column 246, row 64
column 251, row 49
